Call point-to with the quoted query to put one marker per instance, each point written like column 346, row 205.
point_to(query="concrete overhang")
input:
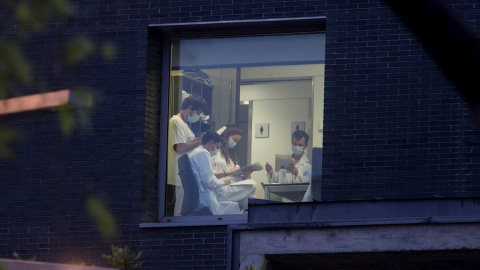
column 364, row 212
column 359, row 234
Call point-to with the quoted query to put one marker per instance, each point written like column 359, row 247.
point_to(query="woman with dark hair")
column 226, row 162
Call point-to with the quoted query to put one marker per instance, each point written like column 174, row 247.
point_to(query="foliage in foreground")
column 123, row 258
column 22, row 21
column 263, row 267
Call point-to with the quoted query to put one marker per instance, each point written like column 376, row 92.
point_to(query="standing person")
column 208, row 184
column 225, row 163
column 295, row 174
column 181, row 140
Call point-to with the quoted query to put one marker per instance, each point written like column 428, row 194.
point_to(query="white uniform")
column 208, row 183
column 240, row 191
column 290, row 177
column 308, row 197
column 220, row 163
column 178, row 132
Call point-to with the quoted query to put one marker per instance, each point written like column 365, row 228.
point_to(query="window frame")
column 168, row 32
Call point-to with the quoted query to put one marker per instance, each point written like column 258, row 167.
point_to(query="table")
column 293, row 192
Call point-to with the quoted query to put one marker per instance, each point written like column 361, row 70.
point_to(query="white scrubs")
column 208, row 183
column 239, row 191
column 290, row 177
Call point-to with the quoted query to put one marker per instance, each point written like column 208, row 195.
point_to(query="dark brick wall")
column 394, row 128
column 185, row 248
column 152, row 129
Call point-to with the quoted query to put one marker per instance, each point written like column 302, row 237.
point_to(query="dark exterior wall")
column 394, row 128
column 152, row 129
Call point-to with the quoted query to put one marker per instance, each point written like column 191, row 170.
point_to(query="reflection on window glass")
column 245, row 113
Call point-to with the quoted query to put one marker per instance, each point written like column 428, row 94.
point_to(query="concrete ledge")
column 328, row 231
column 255, row 244
column 29, row 265
column 368, row 212
column 43, row 101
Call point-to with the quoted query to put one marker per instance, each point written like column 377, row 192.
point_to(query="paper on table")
column 244, row 182
column 255, row 167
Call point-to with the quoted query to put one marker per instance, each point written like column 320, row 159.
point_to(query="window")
column 263, row 78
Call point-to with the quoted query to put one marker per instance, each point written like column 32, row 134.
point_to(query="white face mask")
column 297, row 150
column 193, row 119
column 231, row 143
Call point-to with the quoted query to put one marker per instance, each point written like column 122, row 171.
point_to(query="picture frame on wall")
column 297, row 125
column 262, row 130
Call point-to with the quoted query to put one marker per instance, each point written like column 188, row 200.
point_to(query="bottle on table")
column 282, row 175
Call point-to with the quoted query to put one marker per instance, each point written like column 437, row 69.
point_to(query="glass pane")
column 268, row 83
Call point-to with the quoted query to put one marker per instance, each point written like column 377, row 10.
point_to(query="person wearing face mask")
column 226, row 162
column 209, row 185
column 295, row 174
column 181, row 140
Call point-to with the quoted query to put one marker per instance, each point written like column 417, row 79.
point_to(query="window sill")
column 196, row 221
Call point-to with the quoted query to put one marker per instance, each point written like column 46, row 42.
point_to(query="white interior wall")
column 316, row 134
column 276, row 90
column 275, row 72
column 272, row 103
column 315, row 73
column 279, row 114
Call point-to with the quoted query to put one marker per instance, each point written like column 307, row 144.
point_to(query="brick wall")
column 394, row 128
column 185, row 248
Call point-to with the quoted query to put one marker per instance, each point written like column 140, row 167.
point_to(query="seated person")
column 214, row 193
column 295, row 174
column 226, row 162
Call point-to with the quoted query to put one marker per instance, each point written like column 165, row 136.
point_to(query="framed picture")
column 298, row 125
column 262, row 130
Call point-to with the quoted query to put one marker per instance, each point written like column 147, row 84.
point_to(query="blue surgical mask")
column 297, row 150
column 214, row 152
column 193, row 119
column 231, row 143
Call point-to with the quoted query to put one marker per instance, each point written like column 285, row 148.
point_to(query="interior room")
column 265, row 93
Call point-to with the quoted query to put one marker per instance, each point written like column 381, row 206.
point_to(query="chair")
column 191, row 203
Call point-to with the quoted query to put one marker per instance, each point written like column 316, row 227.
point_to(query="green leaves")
column 33, row 15
column 7, row 135
column 13, row 66
column 109, row 51
column 77, row 49
column 263, row 267
column 18, row 257
column 62, row 7
column 103, row 219
column 12, row 57
column 24, row 21
column 77, row 112
column 66, row 117
column 123, row 258
column 23, row 13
